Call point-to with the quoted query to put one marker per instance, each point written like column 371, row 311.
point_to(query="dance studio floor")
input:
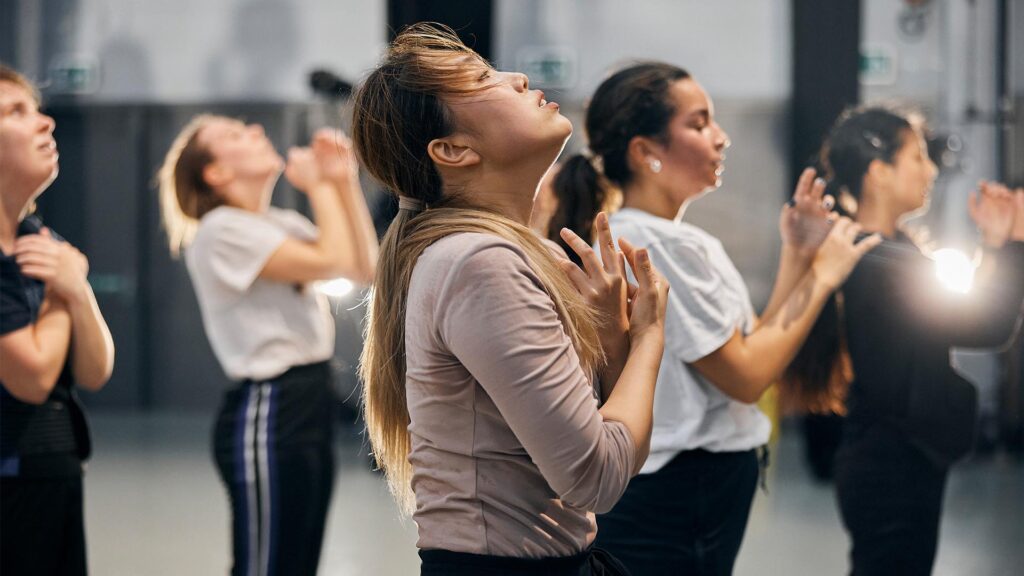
column 155, row 507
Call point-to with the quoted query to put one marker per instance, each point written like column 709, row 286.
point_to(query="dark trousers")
column 42, row 528
column 687, row 518
column 890, row 501
column 593, row 562
column 272, row 446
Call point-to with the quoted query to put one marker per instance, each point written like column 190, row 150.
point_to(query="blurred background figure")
column 53, row 340
column 253, row 267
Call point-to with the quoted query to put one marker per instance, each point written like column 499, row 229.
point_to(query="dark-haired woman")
column 885, row 344
column 652, row 132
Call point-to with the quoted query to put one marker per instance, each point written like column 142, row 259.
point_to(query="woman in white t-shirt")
column 652, row 133
column 251, row 265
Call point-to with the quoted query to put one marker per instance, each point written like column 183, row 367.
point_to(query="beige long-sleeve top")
column 509, row 452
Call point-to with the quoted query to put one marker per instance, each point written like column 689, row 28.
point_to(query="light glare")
column 336, row 288
column 954, row 270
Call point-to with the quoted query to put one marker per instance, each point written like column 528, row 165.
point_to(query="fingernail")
column 791, row 202
column 819, row 181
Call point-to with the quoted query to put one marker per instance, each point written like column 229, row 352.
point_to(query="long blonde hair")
column 185, row 197
column 398, row 110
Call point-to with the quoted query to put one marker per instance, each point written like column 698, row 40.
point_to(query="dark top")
column 50, row 439
column 900, row 326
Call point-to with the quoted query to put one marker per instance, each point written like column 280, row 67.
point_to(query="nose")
column 46, row 123
column 521, row 81
column 255, row 130
column 722, row 140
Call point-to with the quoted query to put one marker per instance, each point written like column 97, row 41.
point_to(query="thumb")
column 867, row 244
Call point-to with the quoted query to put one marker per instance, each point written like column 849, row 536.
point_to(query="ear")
column 641, row 150
column 217, row 175
column 452, row 152
column 878, row 173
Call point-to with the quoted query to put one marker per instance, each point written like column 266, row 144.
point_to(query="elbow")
column 32, row 391
column 94, row 382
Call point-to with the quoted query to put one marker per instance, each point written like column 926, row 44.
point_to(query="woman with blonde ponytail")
column 482, row 353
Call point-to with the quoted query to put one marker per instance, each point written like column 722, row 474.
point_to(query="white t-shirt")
column 258, row 328
column 707, row 302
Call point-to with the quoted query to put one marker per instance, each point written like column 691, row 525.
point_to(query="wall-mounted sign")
column 548, row 66
column 878, row 65
column 73, row 74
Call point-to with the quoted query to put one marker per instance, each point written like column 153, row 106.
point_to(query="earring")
column 655, row 165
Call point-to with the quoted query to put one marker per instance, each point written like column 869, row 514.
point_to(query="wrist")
column 797, row 255
column 651, row 337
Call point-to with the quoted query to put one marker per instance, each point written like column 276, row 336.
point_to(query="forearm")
column 778, row 338
column 363, row 235
column 631, row 402
column 616, row 349
column 31, row 376
column 792, row 268
column 334, row 228
column 92, row 347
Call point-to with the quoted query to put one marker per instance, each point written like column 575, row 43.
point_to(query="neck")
column 244, row 195
column 646, row 196
column 510, row 192
column 874, row 216
column 12, row 210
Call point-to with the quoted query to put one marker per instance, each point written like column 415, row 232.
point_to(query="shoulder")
column 469, row 252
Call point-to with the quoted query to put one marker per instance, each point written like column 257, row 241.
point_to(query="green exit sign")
column 73, row 74
column 548, row 66
column 878, row 65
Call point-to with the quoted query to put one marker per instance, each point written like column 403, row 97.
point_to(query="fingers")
column 606, row 243
column 803, row 184
column 867, row 244
column 828, row 202
column 591, row 263
column 628, row 252
column 818, row 192
column 576, row 276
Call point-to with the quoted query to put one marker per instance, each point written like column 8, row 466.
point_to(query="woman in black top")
column 52, row 337
column 882, row 351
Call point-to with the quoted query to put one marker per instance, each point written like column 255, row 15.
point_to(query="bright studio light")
column 954, row 270
column 335, row 288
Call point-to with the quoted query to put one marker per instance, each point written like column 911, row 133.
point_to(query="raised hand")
column 61, row 266
column 602, row 281
column 993, row 208
column 648, row 302
column 337, row 160
column 806, row 219
column 840, row 252
column 302, row 169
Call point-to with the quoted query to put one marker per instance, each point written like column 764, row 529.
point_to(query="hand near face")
column 61, row 266
column 993, row 209
column 336, row 158
column 806, row 219
column 302, row 169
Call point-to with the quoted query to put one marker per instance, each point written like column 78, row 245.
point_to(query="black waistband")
column 446, row 559
column 302, row 372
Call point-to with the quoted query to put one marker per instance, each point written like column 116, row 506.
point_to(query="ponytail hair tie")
column 411, row 204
